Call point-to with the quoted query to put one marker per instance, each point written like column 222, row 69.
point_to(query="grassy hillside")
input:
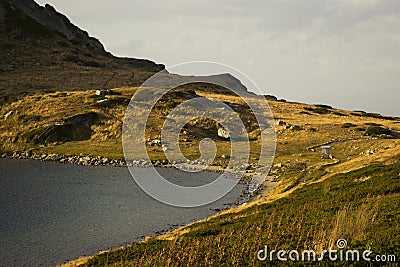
column 303, row 128
column 360, row 206
column 354, row 195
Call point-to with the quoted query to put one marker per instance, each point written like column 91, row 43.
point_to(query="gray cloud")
column 340, row 52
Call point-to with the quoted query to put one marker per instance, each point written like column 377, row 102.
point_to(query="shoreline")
column 249, row 193
column 243, row 199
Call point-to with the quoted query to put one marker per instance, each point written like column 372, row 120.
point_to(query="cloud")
column 341, row 52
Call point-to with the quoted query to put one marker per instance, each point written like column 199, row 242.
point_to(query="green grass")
column 373, row 115
column 360, row 206
column 105, row 149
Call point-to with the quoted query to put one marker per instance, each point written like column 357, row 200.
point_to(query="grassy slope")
column 32, row 113
column 360, row 206
column 305, row 181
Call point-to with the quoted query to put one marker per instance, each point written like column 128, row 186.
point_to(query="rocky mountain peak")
column 42, row 51
column 50, row 19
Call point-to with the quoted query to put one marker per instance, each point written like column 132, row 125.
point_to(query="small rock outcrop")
column 75, row 128
column 223, row 133
column 271, row 97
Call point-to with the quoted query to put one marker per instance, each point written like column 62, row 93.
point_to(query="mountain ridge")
column 44, row 52
column 48, row 17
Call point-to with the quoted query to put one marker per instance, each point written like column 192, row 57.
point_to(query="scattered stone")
column 104, row 92
column 11, row 67
column 55, row 157
column 222, row 132
column 154, row 141
column 102, row 100
column 369, row 152
column 8, row 114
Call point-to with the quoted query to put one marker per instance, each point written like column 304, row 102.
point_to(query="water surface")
column 52, row 212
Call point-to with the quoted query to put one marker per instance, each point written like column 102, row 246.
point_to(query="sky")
column 345, row 53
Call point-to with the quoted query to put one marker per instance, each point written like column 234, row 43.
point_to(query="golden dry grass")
column 301, row 166
column 349, row 145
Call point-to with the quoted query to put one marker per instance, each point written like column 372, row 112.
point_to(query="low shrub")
column 296, row 128
column 348, row 125
column 377, row 130
column 318, row 110
column 324, row 106
column 92, row 64
column 71, row 58
column 321, row 110
column 26, row 118
column 372, row 115
column 339, row 114
column 372, row 124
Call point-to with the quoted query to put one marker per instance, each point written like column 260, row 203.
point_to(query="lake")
column 52, row 212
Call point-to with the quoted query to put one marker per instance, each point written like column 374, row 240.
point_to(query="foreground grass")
column 360, row 206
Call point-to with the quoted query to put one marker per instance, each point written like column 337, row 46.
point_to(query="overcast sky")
column 345, row 53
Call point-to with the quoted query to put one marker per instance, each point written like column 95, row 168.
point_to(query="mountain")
column 49, row 111
column 42, row 51
column 50, row 20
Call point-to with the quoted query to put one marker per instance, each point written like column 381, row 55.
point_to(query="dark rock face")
column 75, row 128
column 54, row 21
column 188, row 94
column 225, row 82
column 228, row 81
column 271, row 97
column 2, row 13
